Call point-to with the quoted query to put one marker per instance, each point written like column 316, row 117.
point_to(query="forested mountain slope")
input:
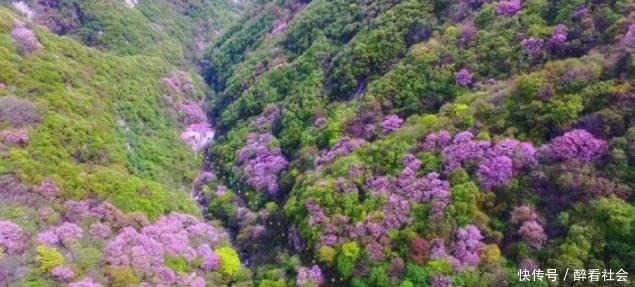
column 100, row 148
column 427, row 143
column 170, row 29
column 356, row 143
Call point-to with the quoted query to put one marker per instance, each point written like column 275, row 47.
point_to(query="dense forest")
column 317, row 143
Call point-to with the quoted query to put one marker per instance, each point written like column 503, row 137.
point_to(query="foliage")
column 229, row 261
column 48, row 258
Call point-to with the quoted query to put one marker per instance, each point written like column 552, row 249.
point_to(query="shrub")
column 123, row 276
column 229, row 261
column 26, row 39
column 12, row 238
column 48, row 258
column 19, row 113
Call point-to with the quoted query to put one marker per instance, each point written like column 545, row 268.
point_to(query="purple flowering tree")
column 100, row 230
column 495, row 172
column 175, row 235
column 211, row 261
column 533, row 234
column 559, row 35
column 435, row 141
column 198, row 135
column 63, row 273
column 343, row 147
column 192, row 113
column 15, row 137
column 48, row 238
column 464, row 78
column 441, row 281
column 268, row 117
column 467, row 246
column 12, row 239
column 629, row 37
column 530, row 231
column 533, row 47
column 522, row 154
column 48, row 189
column 508, row 8
column 69, row 233
column 86, row 282
column 26, row 39
column 468, row 34
column 576, row 144
column 463, row 149
column 391, row 123
column 295, row 240
column 179, row 82
column 261, row 164
column 310, row 276
column 316, row 214
column 497, row 164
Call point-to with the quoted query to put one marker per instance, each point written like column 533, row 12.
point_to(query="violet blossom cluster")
column 179, row 82
column 441, row 281
column 295, row 240
column 464, row 78
column 495, row 171
column 316, row 214
column 176, row 235
column 629, row 37
column 523, row 213
column 12, row 239
column 63, row 273
column 429, row 188
column 409, row 189
column 463, row 149
column 67, row 233
column 508, row 7
column 310, row 276
column 531, row 230
column 198, row 135
column 192, row 113
column 435, row 141
column 533, row 47
column 576, row 144
column 86, row 282
column 438, row 252
column 268, row 117
column 505, row 160
column 468, row 34
column 15, row 137
column 210, row 261
column 396, row 212
column 467, row 246
column 343, row 147
column 391, row 123
column 559, row 34
column 48, row 189
column 261, row 164
column 533, row 234
column 400, row 194
column 25, row 37
column 497, row 164
column 100, row 230
column 80, row 210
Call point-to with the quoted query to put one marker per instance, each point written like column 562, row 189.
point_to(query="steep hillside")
column 100, row 150
column 172, row 30
column 418, row 143
column 325, row 143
